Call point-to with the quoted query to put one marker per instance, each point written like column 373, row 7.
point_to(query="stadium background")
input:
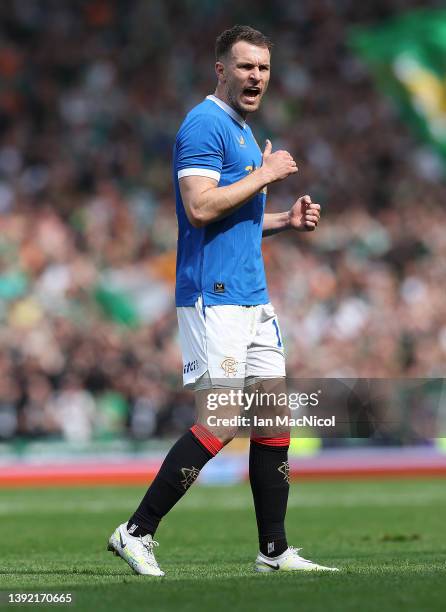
column 91, row 96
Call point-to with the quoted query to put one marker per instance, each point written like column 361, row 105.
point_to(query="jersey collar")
column 231, row 112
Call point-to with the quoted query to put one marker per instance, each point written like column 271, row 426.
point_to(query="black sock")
column 269, row 477
column 179, row 470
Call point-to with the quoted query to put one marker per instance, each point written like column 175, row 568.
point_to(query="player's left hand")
column 304, row 214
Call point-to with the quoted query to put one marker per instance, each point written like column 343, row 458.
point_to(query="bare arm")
column 273, row 223
column 303, row 216
column 205, row 203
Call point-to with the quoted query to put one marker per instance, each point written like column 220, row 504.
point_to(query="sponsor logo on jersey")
column 229, row 366
column 241, row 141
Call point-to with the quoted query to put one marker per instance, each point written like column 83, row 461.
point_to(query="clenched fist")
column 304, row 215
column 278, row 165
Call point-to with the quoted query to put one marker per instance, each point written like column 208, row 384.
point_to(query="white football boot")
column 137, row 551
column 289, row 561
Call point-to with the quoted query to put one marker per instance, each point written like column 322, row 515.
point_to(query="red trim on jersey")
column 207, row 439
column 283, row 441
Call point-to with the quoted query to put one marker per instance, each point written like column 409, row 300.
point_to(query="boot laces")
column 149, row 545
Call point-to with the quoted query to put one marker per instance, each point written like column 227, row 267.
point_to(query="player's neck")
column 218, row 93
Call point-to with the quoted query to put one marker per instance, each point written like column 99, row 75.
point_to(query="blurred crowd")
column 91, row 96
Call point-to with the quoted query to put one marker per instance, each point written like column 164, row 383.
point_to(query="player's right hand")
column 278, row 165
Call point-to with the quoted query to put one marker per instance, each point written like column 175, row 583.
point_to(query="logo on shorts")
column 190, row 475
column 284, row 468
column 229, row 366
column 190, row 366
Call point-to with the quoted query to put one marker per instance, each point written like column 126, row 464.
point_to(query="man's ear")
column 220, row 72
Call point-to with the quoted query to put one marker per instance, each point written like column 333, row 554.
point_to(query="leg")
column 182, row 465
column 268, row 462
column 134, row 541
column 268, row 471
column 213, row 344
column 268, row 466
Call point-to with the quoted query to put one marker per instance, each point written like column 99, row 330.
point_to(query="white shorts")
column 230, row 343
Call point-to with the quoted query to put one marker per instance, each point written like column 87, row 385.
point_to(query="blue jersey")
column 222, row 262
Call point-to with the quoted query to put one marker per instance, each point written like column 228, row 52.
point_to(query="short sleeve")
column 200, row 147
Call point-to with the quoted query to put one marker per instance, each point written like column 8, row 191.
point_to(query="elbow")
column 196, row 218
column 196, row 222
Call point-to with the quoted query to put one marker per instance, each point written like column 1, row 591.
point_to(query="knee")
column 213, row 438
column 227, row 435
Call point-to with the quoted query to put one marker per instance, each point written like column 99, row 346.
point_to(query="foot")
column 137, row 551
column 289, row 561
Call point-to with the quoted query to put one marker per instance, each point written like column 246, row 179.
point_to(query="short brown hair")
column 228, row 38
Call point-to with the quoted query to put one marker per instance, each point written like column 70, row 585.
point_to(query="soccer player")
column 229, row 334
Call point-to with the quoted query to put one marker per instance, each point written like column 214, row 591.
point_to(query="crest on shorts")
column 190, row 475
column 284, row 468
column 229, row 366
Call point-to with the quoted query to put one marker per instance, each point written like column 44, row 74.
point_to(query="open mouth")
column 251, row 93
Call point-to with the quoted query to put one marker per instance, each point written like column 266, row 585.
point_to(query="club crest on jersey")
column 229, row 366
column 190, row 475
column 284, row 468
column 241, row 141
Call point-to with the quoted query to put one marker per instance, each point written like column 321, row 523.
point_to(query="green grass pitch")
column 388, row 537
